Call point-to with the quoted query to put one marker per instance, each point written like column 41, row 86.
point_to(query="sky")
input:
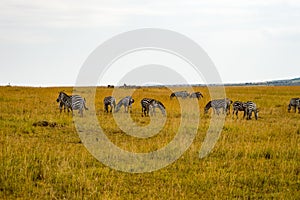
column 45, row 43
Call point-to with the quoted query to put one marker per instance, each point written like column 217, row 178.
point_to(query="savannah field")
column 252, row 159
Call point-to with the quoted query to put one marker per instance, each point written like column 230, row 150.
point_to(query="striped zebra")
column 218, row 104
column 126, row 102
column 109, row 101
column 197, row 95
column 64, row 106
column 150, row 105
column 64, row 102
column 239, row 106
column 182, row 94
column 294, row 102
column 251, row 107
column 74, row 102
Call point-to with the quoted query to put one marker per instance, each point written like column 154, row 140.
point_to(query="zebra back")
column 126, row 102
column 197, row 95
column 182, row 94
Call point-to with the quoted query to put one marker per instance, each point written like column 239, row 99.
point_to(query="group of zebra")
column 185, row 94
column 247, row 107
column 76, row 102
column 148, row 105
column 71, row 102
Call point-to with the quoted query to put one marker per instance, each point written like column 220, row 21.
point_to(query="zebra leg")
column 256, row 114
column 289, row 107
column 245, row 114
column 143, row 111
column 249, row 114
column 61, row 106
column 81, row 112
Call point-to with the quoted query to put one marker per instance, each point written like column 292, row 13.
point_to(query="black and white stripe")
column 109, row 101
column 64, row 101
column 218, row 104
column 126, row 102
column 197, row 95
column 74, row 102
column 294, row 102
column 239, row 106
column 150, row 105
column 182, row 94
column 251, row 107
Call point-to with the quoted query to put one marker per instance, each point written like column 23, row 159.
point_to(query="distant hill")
column 285, row 82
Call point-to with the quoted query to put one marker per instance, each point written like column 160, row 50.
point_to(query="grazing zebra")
column 150, row 105
column 251, row 107
column 197, row 95
column 218, row 104
column 126, row 102
column 109, row 101
column 294, row 102
column 74, row 102
column 182, row 94
column 239, row 106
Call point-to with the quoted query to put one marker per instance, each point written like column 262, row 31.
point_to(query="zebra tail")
column 85, row 105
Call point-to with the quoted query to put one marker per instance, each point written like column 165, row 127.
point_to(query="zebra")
column 109, row 101
column 217, row 104
column 63, row 102
column 294, row 102
column 64, row 106
column 251, row 107
column 74, row 102
column 182, row 94
column 126, row 102
column 150, row 105
column 197, row 95
column 239, row 106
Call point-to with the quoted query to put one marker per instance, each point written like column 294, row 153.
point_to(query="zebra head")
column 207, row 107
column 131, row 101
column 161, row 107
column 61, row 96
column 172, row 95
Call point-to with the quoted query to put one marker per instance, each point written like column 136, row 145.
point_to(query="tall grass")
column 252, row 159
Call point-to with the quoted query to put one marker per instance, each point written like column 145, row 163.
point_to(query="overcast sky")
column 45, row 43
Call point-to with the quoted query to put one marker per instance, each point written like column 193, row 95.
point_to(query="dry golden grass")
column 252, row 159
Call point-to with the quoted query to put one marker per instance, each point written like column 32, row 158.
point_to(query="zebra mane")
column 208, row 105
column 119, row 104
column 62, row 92
column 160, row 103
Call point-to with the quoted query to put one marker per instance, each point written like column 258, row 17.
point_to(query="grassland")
column 252, row 159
